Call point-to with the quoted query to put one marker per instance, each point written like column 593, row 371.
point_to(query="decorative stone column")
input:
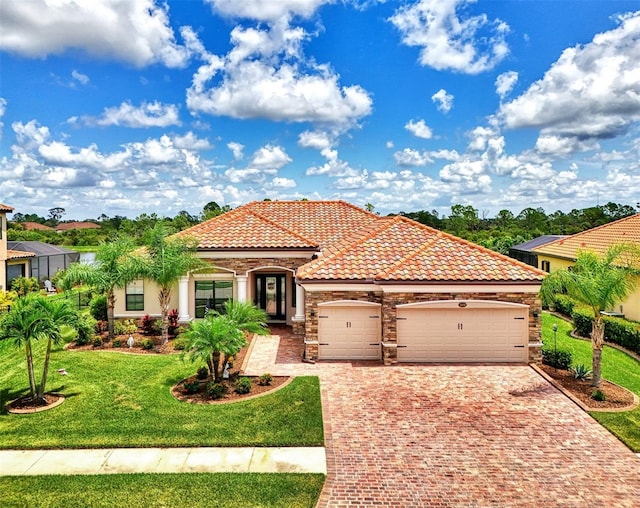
column 298, row 319
column 241, row 281
column 183, row 299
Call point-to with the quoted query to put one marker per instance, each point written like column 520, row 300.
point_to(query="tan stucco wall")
column 151, row 303
column 630, row 307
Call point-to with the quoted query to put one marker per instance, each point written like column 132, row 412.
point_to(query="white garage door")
column 349, row 331
column 471, row 331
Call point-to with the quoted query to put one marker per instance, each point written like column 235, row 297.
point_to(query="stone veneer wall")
column 242, row 266
column 389, row 302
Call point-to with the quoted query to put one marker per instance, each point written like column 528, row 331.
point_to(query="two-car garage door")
column 470, row 331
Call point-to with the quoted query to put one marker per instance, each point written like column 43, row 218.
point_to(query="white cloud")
column 3, row 109
column 191, row 142
column 267, row 10
column 419, row 129
column 270, row 157
column 148, row 114
column 505, row 83
column 333, row 167
column 412, row 158
column 237, row 149
column 83, row 79
column 443, row 100
column 134, row 31
column 315, row 139
column 449, row 39
column 283, row 183
column 563, row 145
column 591, row 91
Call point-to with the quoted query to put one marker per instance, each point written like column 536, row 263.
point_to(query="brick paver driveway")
column 458, row 435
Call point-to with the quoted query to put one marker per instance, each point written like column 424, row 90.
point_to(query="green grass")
column 617, row 366
column 119, row 400
column 83, row 248
column 162, row 490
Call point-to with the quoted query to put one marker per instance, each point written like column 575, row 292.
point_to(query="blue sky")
column 126, row 107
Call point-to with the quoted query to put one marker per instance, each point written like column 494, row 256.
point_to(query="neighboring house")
column 562, row 253
column 31, row 226
column 66, row 226
column 29, row 259
column 524, row 251
column 359, row 286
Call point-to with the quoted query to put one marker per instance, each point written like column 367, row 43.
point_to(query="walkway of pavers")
column 162, row 460
column 456, row 435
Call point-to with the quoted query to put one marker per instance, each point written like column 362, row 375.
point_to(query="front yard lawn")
column 121, row 400
column 192, row 490
column 617, row 366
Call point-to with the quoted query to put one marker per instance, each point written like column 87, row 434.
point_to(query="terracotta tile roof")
column 399, row 249
column 598, row 239
column 35, row 225
column 19, row 254
column 280, row 224
column 65, row 226
column 6, row 208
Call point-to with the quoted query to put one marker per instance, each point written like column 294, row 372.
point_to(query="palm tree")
column 211, row 337
column 600, row 282
column 247, row 317
column 114, row 267
column 31, row 318
column 168, row 259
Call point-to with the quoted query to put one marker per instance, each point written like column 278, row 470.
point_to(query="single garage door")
column 349, row 330
column 463, row 331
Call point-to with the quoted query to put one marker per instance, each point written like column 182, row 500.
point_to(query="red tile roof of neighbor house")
column 65, row 226
column 400, row 249
column 280, row 224
column 19, row 254
column 35, row 225
column 598, row 239
column 6, row 208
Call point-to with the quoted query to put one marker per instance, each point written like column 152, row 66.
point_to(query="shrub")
column 24, row 285
column 191, row 387
column 564, row 304
column 598, row 395
column 149, row 325
column 265, row 379
column 101, row 326
column 558, row 359
column 180, row 344
column 98, row 307
column 242, row 385
column 581, row 372
column 86, row 328
column 125, row 327
column 202, row 373
column 97, row 341
column 147, row 344
column 117, row 342
column 172, row 317
column 582, row 319
column 622, row 332
column 216, row 390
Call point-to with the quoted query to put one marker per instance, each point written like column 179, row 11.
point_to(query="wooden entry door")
column 271, row 295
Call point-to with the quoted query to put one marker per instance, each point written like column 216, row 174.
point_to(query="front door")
column 271, row 295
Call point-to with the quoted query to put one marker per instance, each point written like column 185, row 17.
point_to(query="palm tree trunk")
column 215, row 359
column 45, row 371
column 111, row 303
column 165, row 297
column 32, row 376
column 597, row 341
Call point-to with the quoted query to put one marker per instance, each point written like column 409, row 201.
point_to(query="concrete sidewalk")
column 163, row 460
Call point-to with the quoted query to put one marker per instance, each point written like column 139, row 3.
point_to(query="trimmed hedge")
column 617, row 330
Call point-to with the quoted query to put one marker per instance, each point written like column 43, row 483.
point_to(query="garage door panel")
column 465, row 335
column 349, row 333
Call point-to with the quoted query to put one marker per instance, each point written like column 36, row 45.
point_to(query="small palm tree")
column 168, row 259
column 114, row 267
column 600, row 282
column 246, row 316
column 211, row 337
column 37, row 317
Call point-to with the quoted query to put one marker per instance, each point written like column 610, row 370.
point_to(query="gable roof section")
column 19, row 254
column 28, row 226
column 65, row 226
column 399, row 249
column 6, row 208
column 598, row 239
column 280, row 224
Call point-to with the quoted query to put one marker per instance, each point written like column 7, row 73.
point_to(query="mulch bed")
column 616, row 397
column 124, row 348
column 231, row 396
column 27, row 405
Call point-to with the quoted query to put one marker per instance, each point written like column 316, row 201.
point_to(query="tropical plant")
column 599, row 282
column 37, row 317
column 24, row 285
column 167, row 260
column 211, row 337
column 114, row 267
column 247, row 317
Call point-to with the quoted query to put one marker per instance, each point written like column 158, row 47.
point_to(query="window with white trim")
column 211, row 294
column 134, row 295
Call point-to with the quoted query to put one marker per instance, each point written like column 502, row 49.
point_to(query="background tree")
column 600, row 282
column 166, row 260
column 114, row 267
column 56, row 213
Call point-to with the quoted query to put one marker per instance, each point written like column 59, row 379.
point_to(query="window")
column 135, row 295
column 546, row 266
column 0, row 228
column 211, row 294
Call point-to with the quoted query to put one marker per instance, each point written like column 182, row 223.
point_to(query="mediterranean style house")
column 562, row 253
column 358, row 286
column 12, row 262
